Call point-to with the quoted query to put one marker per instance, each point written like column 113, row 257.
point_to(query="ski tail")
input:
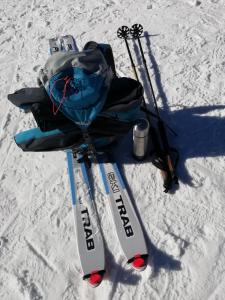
column 139, row 261
column 94, row 278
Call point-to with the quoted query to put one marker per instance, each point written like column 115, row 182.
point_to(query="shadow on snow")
column 199, row 135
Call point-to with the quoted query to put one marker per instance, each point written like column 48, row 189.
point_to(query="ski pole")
column 123, row 33
column 136, row 31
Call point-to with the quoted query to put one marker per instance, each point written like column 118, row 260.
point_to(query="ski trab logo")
column 124, row 217
column 87, row 229
column 120, row 204
column 113, row 182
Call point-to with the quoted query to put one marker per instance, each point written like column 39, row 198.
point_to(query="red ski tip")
column 95, row 279
column 139, row 263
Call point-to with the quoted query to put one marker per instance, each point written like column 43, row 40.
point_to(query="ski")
column 88, row 232
column 127, row 225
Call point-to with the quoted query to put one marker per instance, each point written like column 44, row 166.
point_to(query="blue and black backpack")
column 80, row 101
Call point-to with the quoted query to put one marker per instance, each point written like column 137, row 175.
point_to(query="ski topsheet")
column 127, row 225
column 88, row 232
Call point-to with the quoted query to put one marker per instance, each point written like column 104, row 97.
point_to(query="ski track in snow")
column 185, row 229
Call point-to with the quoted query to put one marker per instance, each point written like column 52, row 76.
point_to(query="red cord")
column 54, row 108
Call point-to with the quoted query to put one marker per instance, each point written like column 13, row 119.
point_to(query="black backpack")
column 58, row 132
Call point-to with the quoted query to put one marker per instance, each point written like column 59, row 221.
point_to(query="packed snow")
column 184, row 46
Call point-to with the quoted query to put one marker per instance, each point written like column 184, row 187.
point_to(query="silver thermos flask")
column 140, row 139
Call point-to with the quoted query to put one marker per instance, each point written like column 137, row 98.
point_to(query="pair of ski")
column 90, row 241
column 89, row 236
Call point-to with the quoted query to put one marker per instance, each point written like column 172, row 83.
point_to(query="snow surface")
column 185, row 229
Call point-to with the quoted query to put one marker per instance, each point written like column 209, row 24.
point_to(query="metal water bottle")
column 140, row 139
